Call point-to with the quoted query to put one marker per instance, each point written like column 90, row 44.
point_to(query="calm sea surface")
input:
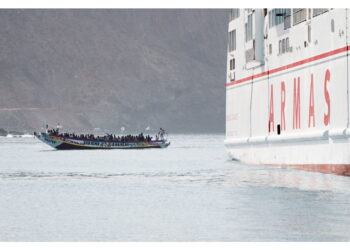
column 190, row 191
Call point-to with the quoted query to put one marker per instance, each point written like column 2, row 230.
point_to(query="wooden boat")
column 58, row 141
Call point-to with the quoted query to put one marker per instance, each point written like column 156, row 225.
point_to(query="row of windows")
column 279, row 16
column 234, row 14
column 248, row 33
column 276, row 16
column 283, row 46
column 317, row 12
column 232, row 40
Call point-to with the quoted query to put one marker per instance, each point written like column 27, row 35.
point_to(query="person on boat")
column 111, row 137
column 161, row 133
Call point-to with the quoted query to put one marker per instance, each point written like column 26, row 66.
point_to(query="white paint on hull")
column 303, row 90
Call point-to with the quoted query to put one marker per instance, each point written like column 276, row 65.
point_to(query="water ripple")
column 70, row 175
column 223, row 177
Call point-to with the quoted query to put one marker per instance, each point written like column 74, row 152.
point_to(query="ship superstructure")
column 287, row 87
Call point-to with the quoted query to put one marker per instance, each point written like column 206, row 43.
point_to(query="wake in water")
column 248, row 176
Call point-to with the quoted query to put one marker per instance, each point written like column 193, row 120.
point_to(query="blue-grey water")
column 190, row 191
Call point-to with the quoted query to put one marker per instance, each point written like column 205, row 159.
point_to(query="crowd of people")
column 108, row 137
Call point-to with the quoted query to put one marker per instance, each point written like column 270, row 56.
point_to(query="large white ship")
column 287, row 88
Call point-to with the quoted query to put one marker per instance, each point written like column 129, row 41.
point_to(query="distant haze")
column 109, row 69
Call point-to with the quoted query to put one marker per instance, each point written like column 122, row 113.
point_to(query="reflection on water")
column 190, row 191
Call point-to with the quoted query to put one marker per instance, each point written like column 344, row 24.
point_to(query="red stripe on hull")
column 337, row 169
column 291, row 65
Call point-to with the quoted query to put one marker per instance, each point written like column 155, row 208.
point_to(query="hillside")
column 110, row 68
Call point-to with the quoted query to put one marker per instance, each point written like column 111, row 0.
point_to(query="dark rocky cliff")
column 113, row 68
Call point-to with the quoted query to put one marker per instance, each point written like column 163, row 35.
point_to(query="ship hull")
column 62, row 143
column 289, row 103
column 326, row 155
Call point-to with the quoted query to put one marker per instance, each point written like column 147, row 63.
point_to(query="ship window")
column 232, row 64
column 316, row 12
column 283, row 46
column 332, row 25
column 234, row 14
column 278, row 16
column 280, row 47
column 232, row 41
column 287, row 19
column 299, row 15
column 270, row 48
column 287, row 44
column 309, row 33
column 249, row 28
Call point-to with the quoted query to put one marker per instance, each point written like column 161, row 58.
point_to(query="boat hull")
column 62, row 143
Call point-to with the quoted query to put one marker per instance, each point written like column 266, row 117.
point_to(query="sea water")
column 190, row 191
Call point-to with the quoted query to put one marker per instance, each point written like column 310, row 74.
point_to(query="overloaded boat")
column 65, row 141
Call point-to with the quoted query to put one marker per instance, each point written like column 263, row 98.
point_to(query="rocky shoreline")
column 4, row 132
